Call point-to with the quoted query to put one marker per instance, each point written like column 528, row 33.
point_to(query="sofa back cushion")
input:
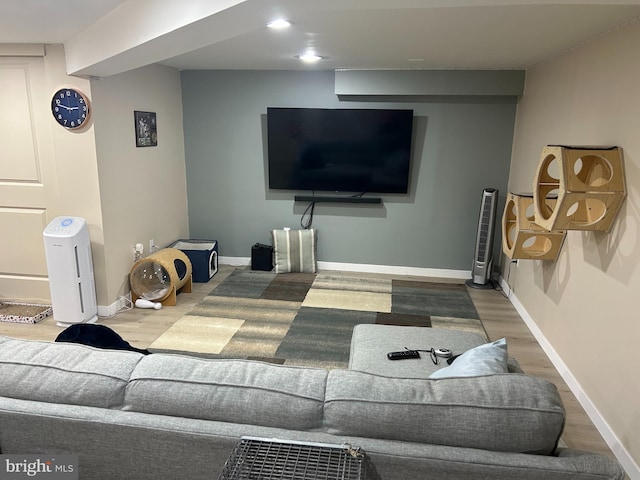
column 504, row 412
column 237, row 391
column 64, row 373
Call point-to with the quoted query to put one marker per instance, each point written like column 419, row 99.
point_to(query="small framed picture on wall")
column 145, row 127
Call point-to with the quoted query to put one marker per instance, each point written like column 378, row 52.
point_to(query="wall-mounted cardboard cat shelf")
column 522, row 237
column 589, row 183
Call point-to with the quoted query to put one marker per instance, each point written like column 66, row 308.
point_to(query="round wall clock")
column 70, row 108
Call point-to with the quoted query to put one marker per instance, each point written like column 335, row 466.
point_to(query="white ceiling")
column 49, row 21
column 104, row 37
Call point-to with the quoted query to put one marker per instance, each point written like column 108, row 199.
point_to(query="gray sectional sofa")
column 128, row 415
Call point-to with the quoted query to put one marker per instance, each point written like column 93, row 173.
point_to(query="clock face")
column 70, row 108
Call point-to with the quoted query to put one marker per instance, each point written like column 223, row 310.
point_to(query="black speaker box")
column 262, row 257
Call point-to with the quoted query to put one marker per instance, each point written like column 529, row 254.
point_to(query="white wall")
column 46, row 171
column 585, row 304
column 127, row 194
column 143, row 189
column 75, row 165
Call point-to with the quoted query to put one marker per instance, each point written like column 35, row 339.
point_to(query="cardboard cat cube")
column 203, row 255
column 522, row 237
column 589, row 184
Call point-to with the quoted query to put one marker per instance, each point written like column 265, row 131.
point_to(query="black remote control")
column 403, row 354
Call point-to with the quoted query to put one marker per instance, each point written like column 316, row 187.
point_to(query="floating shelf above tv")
column 336, row 199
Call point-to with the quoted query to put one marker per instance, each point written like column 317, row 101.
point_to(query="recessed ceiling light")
column 309, row 57
column 279, row 23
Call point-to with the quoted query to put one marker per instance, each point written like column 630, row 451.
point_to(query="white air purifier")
column 70, row 265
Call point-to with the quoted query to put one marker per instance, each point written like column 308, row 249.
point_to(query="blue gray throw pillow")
column 485, row 359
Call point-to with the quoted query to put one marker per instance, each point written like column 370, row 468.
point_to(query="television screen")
column 339, row 150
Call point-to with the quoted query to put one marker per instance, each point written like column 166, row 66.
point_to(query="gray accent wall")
column 461, row 145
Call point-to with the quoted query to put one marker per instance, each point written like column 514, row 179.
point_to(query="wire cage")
column 255, row 458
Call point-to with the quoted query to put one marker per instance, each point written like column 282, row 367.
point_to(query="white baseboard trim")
column 396, row 270
column 368, row 268
column 626, row 460
column 235, row 261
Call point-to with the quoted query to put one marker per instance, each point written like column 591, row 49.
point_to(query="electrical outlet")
column 138, row 250
column 152, row 245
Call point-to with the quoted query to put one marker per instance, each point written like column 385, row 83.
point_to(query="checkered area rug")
column 307, row 319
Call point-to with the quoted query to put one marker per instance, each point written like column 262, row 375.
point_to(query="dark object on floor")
column 97, row 336
column 262, row 257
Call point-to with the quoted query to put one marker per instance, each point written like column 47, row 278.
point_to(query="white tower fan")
column 483, row 255
column 68, row 252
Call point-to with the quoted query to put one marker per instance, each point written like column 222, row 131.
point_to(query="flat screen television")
column 339, row 150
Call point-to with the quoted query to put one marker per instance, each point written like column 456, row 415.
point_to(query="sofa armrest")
column 594, row 463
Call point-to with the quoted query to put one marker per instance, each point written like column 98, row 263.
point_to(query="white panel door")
column 27, row 178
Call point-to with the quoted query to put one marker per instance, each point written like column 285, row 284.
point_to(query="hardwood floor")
column 501, row 319
column 141, row 327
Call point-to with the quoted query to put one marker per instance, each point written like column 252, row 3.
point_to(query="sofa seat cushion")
column 65, row 373
column 504, row 412
column 238, row 391
column 370, row 344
